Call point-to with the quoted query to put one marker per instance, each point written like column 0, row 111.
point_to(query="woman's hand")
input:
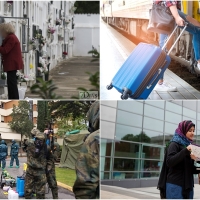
column 179, row 21
column 189, row 148
column 193, row 157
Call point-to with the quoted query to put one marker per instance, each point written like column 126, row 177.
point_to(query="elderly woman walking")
column 11, row 58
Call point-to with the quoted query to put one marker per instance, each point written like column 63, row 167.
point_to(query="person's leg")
column 193, row 28
column 17, row 160
column 12, row 85
column 29, row 184
column 40, row 185
column 3, row 163
column 191, row 194
column 51, row 180
column 173, row 191
column 11, row 161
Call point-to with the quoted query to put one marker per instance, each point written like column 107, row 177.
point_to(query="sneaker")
column 17, row 166
column 10, row 166
column 165, row 87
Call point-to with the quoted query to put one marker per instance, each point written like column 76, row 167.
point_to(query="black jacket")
column 178, row 168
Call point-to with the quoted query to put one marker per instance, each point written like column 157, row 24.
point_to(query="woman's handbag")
column 160, row 20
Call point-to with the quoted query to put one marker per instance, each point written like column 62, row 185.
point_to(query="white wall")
column 86, row 33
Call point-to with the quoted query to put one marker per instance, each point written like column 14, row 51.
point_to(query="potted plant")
column 65, row 54
column 3, row 78
column 51, row 31
column 58, row 22
column 72, row 38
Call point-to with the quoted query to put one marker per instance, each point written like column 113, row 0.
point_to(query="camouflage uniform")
column 37, row 165
column 86, row 185
column 51, row 177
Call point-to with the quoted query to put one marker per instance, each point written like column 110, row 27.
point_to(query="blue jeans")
column 162, row 40
column 175, row 192
column 195, row 31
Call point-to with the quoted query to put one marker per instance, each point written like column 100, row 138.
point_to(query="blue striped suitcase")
column 141, row 71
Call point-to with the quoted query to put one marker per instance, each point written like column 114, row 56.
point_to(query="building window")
column 2, row 118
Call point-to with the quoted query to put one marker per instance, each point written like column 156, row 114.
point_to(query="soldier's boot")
column 55, row 193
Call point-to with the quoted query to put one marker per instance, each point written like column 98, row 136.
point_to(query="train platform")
column 115, row 49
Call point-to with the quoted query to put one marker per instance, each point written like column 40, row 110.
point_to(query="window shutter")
column 34, row 30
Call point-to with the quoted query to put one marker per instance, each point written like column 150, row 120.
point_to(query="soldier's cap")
column 40, row 136
column 93, row 115
column 2, row 142
column 34, row 131
column 13, row 140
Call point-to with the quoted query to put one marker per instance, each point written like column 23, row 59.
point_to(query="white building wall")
column 37, row 12
column 86, row 33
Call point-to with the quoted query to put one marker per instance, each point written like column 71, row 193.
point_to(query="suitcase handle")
column 176, row 39
column 159, row 71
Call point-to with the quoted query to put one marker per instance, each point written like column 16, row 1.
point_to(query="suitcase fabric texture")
column 142, row 70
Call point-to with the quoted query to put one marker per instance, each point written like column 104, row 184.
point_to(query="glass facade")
column 134, row 135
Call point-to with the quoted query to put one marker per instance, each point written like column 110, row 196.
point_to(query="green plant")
column 3, row 76
column 95, row 54
column 20, row 119
column 45, row 89
column 94, row 81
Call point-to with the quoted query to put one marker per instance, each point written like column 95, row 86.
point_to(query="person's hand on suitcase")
column 180, row 21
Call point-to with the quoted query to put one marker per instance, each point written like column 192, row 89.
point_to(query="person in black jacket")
column 176, row 180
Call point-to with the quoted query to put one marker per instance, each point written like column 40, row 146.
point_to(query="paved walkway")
column 62, row 193
column 115, row 49
column 71, row 74
column 112, row 192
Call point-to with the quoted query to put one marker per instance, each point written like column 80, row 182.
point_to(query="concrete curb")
column 65, row 186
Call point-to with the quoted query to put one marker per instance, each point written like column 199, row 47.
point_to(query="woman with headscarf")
column 11, row 58
column 176, row 180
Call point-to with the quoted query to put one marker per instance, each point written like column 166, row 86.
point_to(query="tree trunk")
column 21, row 147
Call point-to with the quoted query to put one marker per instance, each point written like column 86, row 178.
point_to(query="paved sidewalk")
column 112, row 192
column 71, row 74
column 62, row 193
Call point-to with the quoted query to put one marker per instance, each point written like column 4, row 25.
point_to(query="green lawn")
column 66, row 176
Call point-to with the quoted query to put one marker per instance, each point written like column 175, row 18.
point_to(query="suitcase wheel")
column 109, row 87
column 124, row 96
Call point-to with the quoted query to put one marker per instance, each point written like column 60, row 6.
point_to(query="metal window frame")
column 28, row 35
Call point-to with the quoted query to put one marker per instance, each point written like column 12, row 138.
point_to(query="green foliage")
column 94, row 81
column 67, row 125
column 20, row 119
column 95, row 54
column 42, row 115
column 3, row 76
column 137, row 138
column 45, row 89
column 66, row 109
column 87, row 7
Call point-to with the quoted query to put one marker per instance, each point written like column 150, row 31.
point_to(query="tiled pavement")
column 115, row 49
column 112, row 192
column 62, row 193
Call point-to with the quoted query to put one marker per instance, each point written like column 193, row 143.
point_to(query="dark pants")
column 51, row 180
column 14, row 157
column 12, row 85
